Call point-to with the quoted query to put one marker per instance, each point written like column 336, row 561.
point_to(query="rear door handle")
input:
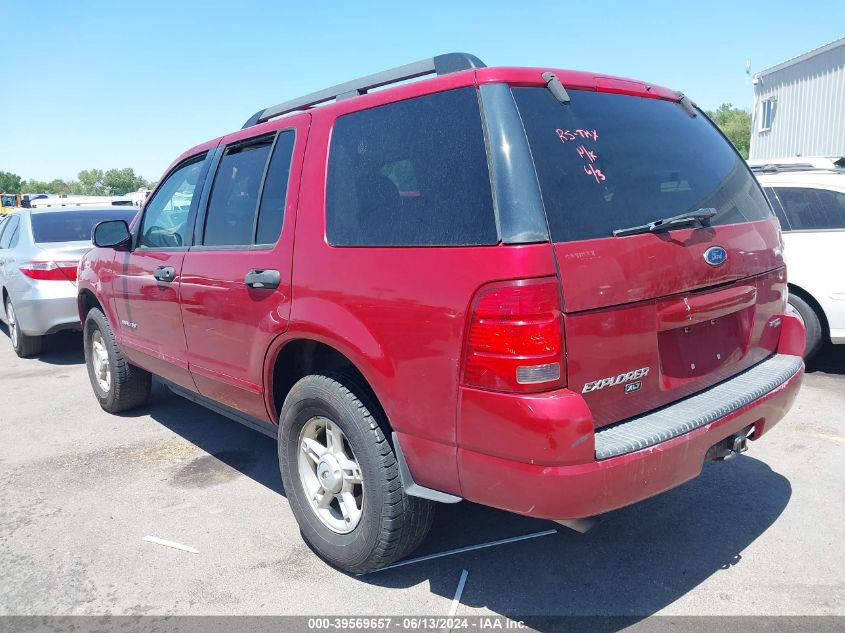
column 164, row 273
column 261, row 278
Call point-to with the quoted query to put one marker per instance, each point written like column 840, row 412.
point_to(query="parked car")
column 549, row 292
column 808, row 196
column 39, row 253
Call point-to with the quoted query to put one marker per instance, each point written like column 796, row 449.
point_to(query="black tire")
column 812, row 324
column 392, row 524
column 23, row 344
column 129, row 385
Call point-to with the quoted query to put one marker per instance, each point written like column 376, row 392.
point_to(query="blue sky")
column 133, row 84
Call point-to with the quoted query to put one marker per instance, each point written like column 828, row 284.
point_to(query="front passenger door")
column 146, row 283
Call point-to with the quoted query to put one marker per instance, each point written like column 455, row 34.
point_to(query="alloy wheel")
column 100, row 361
column 13, row 323
column 330, row 475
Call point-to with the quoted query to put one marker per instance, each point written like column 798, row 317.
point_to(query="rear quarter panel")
column 399, row 314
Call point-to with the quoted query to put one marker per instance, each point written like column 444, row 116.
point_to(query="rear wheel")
column 812, row 324
column 23, row 344
column 342, row 480
column 117, row 385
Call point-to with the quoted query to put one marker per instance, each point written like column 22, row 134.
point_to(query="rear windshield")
column 73, row 226
column 608, row 161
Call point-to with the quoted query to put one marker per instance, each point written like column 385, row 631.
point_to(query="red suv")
column 551, row 292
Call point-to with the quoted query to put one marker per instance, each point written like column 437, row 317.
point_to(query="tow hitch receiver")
column 730, row 447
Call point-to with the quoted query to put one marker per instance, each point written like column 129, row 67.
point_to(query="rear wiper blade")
column 702, row 216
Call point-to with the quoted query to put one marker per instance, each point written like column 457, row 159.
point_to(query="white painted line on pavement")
column 161, row 541
column 470, row 548
column 458, row 592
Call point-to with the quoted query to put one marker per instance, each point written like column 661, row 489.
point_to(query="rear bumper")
column 39, row 314
column 580, row 490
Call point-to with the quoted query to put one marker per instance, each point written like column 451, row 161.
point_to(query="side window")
column 10, row 232
column 230, row 220
column 812, row 209
column 165, row 221
column 773, row 200
column 271, row 211
column 411, row 173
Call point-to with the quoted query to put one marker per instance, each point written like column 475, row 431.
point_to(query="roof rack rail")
column 440, row 65
column 829, row 165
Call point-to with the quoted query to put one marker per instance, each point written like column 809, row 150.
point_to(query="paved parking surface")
column 79, row 489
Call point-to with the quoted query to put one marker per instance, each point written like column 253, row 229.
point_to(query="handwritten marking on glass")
column 571, row 135
column 584, row 152
column 591, row 170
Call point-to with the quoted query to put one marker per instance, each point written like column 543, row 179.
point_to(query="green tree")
column 58, row 186
column 35, row 186
column 91, row 182
column 122, row 181
column 9, row 183
column 735, row 123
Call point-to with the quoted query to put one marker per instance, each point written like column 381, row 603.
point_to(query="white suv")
column 808, row 196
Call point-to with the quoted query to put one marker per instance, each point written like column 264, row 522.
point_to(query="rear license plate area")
column 690, row 352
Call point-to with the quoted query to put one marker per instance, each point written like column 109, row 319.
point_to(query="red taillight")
column 515, row 340
column 49, row 271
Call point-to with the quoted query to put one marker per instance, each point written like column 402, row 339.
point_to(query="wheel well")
column 304, row 357
column 810, row 300
column 86, row 301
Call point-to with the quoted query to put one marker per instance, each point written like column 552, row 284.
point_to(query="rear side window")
column 234, row 198
column 73, row 226
column 245, row 207
column 412, row 173
column 10, row 231
column 271, row 211
column 773, row 200
column 609, row 161
column 811, row 209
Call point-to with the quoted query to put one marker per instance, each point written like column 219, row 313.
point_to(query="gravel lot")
column 79, row 489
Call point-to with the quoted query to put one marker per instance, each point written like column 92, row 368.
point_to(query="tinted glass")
column 165, row 221
column 230, row 220
column 73, row 226
column 10, row 230
column 609, row 161
column 773, row 200
column 271, row 212
column 812, row 209
column 412, row 173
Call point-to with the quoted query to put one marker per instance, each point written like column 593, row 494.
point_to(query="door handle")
column 164, row 273
column 260, row 278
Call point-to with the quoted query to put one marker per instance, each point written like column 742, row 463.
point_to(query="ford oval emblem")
column 715, row 255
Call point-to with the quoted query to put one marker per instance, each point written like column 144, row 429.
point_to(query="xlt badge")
column 610, row 381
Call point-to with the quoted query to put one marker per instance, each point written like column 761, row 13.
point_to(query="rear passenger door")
column 236, row 279
column 9, row 231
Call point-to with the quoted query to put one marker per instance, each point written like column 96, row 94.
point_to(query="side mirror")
column 112, row 234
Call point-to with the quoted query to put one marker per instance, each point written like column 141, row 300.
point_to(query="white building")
column 799, row 106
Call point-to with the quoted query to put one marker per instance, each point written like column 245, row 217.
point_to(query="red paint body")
column 400, row 315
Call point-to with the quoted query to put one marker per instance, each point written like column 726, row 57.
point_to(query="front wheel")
column 117, row 385
column 23, row 344
column 342, row 480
